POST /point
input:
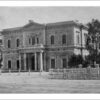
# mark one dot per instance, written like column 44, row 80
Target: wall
column 75, row 74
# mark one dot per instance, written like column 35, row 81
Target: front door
column 33, row 63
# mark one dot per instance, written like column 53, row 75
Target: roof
column 31, row 24
column 34, row 25
column 67, row 23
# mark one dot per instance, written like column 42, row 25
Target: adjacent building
column 39, row 47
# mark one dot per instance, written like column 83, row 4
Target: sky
column 19, row 16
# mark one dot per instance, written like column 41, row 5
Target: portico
column 33, row 61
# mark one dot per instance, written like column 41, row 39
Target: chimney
column 31, row 21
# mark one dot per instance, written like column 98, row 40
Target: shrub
column 75, row 60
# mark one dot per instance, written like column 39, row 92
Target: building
column 39, row 47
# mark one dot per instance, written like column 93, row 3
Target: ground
column 37, row 83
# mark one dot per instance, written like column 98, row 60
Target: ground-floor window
column 18, row 65
column 9, row 64
column 52, row 63
column 64, row 63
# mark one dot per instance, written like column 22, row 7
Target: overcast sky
column 19, row 16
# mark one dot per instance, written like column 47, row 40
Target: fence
column 75, row 73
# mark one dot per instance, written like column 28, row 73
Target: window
column 18, row 65
column 85, row 37
column 29, row 40
column 52, row 63
column 18, row 42
column 78, row 39
column 64, row 63
column 63, row 39
column 33, row 40
column 0, row 41
column 37, row 40
column 9, row 43
column 9, row 64
column 52, row 39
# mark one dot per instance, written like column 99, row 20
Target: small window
column 63, row 39
column 33, row 40
column 9, row 43
column 0, row 41
column 18, row 42
column 64, row 63
column 29, row 40
column 78, row 39
column 52, row 39
column 18, row 66
column 53, row 63
column 37, row 40
column 9, row 64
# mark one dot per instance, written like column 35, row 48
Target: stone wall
column 75, row 74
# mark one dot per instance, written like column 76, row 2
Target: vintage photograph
column 50, row 49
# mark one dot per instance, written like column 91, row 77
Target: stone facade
column 40, row 47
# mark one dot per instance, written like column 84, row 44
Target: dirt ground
column 36, row 83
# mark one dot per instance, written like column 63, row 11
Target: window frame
column 17, row 42
column 52, row 39
column 51, row 63
column 64, row 39
column 9, row 43
column 9, row 63
column 33, row 40
column 17, row 63
column 65, row 63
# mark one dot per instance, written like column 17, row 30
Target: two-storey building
column 38, row 47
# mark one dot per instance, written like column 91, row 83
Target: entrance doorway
column 33, row 63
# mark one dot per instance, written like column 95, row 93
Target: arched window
column 37, row 40
column 64, row 39
column 9, row 43
column 33, row 40
column 18, row 42
column 52, row 39
column 29, row 40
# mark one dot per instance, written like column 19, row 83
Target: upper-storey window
column 0, row 41
column 85, row 38
column 37, row 40
column 77, row 37
column 33, row 40
column 9, row 44
column 17, row 42
column 52, row 39
column 64, row 39
column 29, row 40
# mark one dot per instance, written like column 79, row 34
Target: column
column 35, row 61
column 24, row 61
column 41, row 61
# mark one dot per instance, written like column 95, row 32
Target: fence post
column 64, row 73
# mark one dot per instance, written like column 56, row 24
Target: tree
column 75, row 60
column 93, row 37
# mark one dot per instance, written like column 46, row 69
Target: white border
column 49, row 3
column 49, row 96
